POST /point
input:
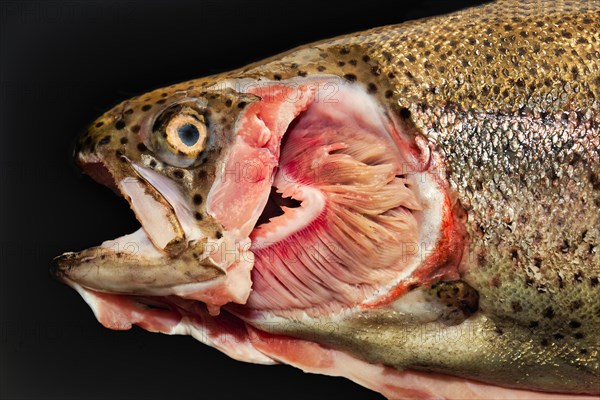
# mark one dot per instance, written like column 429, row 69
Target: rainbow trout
column 414, row 207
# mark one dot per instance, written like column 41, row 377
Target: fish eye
column 180, row 133
column 186, row 135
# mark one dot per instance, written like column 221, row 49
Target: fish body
column 414, row 207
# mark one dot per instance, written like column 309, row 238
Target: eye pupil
column 188, row 134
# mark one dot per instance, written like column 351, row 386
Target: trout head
column 309, row 183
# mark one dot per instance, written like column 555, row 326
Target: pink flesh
column 239, row 197
column 183, row 317
column 234, row 287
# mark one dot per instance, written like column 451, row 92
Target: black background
column 62, row 64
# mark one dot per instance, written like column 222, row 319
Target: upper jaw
column 164, row 254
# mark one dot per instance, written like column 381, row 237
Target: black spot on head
column 593, row 178
column 516, row 306
column 344, row 50
column 366, row 58
column 578, row 277
column 218, row 234
column 529, row 282
column 594, row 281
column 533, row 324
column 135, row 128
column 559, row 336
column 352, row 62
column 128, row 111
column 197, row 199
column 152, row 163
column 576, row 305
column 350, row 77
column 277, row 77
column 241, row 104
column 321, row 68
column 548, row 312
column 142, row 147
column 578, row 335
column 161, row 101
column 388, row 94
column 404, row 113
column 228, row 102
column 99, row 124
column 411, row 58
column 371, row 88
column 341, row 63
column 104, row 140
column 198, row 216
column 544, row 342
column 566, row 34
column 514, row 254
column 574, row 324
column 124, row 140
column 146, row 107
column 120, row 124
column 202, row 174
column 178, row 174
column 302, row 73
column 561, row 283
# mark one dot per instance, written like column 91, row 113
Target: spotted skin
column 124, row 134
column 507, row 93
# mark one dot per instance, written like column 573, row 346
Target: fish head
column 234, row 168
column 166, row 154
